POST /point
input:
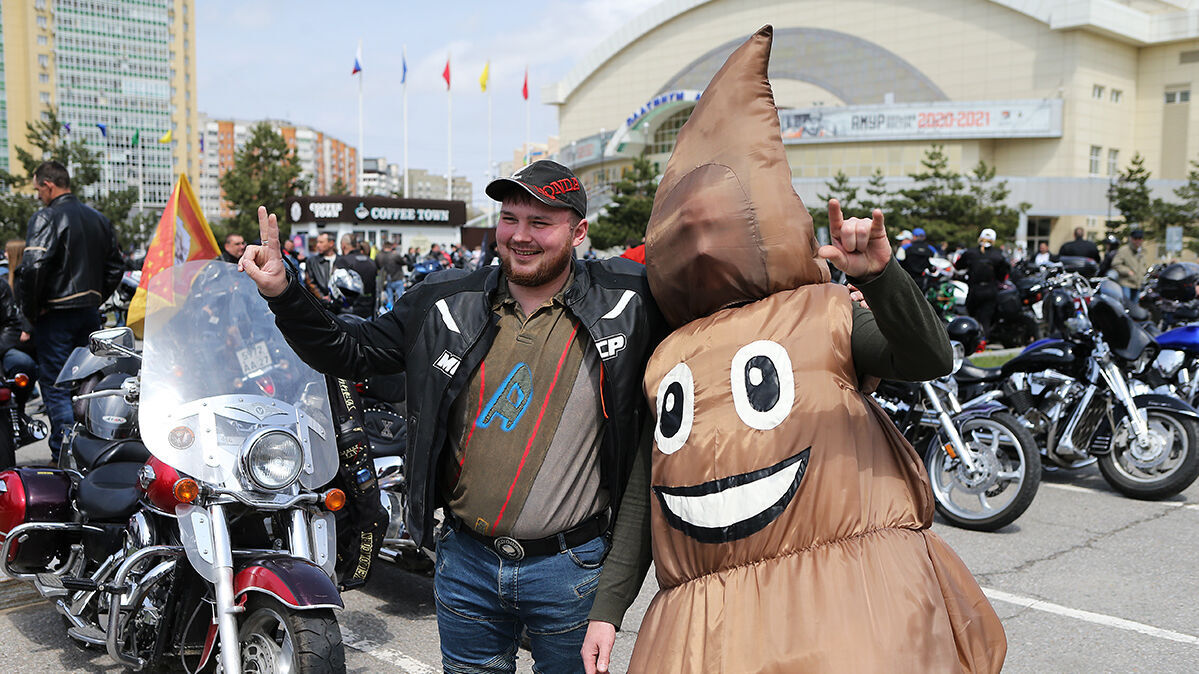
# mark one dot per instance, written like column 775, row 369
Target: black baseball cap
column 549, row 182
column 1136, row 234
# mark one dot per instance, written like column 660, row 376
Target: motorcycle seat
column 973, row 374
column 109, row 493
column 93, row 452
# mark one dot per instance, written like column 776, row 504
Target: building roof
column 1135, row 22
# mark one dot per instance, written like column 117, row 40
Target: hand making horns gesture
column 264, row 263
column 859, row 245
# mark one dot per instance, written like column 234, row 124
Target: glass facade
column 3, row 102
column 112, row 68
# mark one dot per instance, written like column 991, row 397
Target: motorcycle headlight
column 273, row 460
column 959, row 355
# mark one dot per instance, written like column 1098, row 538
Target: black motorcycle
column 1075, row 397
column 982, row 463
column 19, row 428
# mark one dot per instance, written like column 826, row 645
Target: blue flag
column 404, row 61
column 67, row 126
column 103, row 129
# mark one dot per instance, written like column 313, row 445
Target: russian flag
column 357, row 62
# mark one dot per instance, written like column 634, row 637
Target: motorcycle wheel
column 275, row 638
column 1170, row 466
column 1010, row 476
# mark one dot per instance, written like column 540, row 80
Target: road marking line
column 1072, row 487
column 1088, row 490
column 1087, row 616
column 407, row 664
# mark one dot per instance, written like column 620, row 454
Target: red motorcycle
column 202, row 534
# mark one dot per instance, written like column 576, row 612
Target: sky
column 293, row 60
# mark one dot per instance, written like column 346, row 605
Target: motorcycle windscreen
column 217, row 373
column 83, row 363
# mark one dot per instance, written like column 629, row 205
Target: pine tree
column 624, row 220
column 1130, row 195
column 265, row 173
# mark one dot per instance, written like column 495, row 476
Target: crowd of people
column 986, row 265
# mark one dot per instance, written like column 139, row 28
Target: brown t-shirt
column 525, row 432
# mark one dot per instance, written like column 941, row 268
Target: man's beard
column 548, row 270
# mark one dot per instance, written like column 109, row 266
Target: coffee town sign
column 376, row 210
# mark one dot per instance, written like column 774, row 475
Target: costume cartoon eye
column 676, row 409
column 763, row 384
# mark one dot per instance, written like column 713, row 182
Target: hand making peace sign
column 264, row 263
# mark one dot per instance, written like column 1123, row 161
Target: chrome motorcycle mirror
column 112, row 342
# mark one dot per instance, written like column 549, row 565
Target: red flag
column 182, row 235
column 446, row 74
column 524, row 91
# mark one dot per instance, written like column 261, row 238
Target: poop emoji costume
column 789, row 518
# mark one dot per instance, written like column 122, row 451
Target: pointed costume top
column 727, row 227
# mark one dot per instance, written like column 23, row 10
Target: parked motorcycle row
column 1110, row 385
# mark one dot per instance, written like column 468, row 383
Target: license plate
column 254, row 360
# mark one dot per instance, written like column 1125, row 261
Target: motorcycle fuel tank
column 1185, row 338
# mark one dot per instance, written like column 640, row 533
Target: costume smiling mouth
column 733, row 507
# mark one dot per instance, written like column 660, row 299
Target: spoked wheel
column 277, row 639
column 1008, row 475
column 1169, row 464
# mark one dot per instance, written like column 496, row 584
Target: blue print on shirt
column 511, row 401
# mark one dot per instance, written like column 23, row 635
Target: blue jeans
column 394, row 290
column 483, row 601
column 55, row 336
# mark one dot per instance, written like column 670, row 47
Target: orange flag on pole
column 182, row 235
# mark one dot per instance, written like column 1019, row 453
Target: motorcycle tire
column 1118, row 465
column 1018, row 453
column 314, row 637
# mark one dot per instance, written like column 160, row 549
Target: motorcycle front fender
column 1101, row 439
column 297, row 583
column 984, row 408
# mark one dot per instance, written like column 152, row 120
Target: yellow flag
column 166, row 138
column 182, row 236
column 484, row 77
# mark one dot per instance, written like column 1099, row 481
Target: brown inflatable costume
column 790, row 518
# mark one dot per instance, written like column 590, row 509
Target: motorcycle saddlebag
column 35, row 495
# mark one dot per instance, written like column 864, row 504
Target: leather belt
column 516, row 550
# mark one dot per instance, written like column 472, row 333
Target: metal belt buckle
column 509, row 548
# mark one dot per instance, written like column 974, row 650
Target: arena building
column 1057, row 95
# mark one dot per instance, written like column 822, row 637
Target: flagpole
column 140, row 178
column 490, row 202
column 528, row 150
column 449, row 95
column 361, row 159
column 407, row 194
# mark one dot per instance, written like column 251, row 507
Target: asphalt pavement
column 1085, row 581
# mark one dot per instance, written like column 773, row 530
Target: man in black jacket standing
column 1080, row 247
column 985, row 267
column 72, row 262
column 525, row 413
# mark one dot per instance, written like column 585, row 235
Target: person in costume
column 789, row 518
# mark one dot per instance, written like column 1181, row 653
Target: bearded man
column 524, row 415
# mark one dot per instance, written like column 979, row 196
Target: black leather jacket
column 441, row 330
column 11, row 325
column 71, row 260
